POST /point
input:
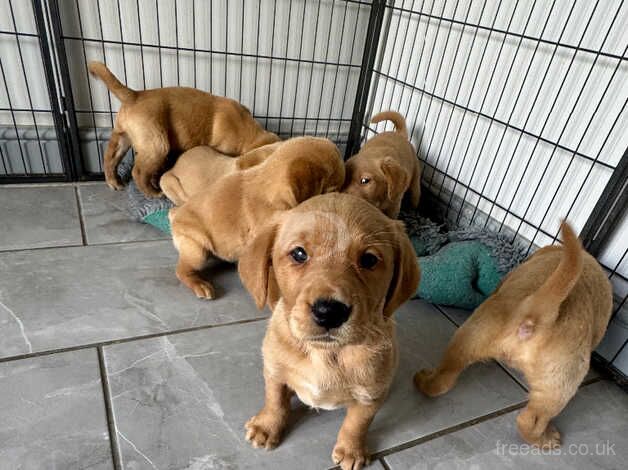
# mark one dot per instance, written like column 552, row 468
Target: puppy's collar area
column 324, row 338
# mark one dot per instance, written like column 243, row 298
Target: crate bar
column 67, row 98
column 57, row 114
column 374, row 28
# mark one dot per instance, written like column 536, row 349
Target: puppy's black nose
column 330, row 313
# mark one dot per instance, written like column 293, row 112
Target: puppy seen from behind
column 173, row 119
column 333, row 270
column 386, row 168
column 221, row 220
column 544, row 319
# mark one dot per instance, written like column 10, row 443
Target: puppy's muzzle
column 330, row 313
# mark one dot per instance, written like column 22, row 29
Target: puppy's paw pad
column 261, row 436
column 350, row 458
column 204, row 290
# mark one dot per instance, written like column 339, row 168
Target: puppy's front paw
column 425, row 381
column 550, row 439
column 263, row 432
column 203, row 290
column 114, row 183
column 350, row 457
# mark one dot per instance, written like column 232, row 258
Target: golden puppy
column 199, row 168
column 156, row 122
column 333, row 270
column 544, row 319
column 222, row 220
column 386, row 168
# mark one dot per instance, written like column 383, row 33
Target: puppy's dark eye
column 368, row 260
column 365, row 180
column 299, row 255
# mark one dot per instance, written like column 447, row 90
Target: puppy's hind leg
column 471, row 343
column 548, row 396
column 150, row 159
column 118, row 146
column 266, row 427
column 192, row 258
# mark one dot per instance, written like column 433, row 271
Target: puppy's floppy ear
column 306, row 179
column 255, row 157
column 256, row 270
column 396, row 178
column 406, row 273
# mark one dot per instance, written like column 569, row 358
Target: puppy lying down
column 156, row 122
column 221, row 220
column 199, row 168
column 333, row 270
column 386, row 168
column 544, row 319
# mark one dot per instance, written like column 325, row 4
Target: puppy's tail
column 396, row 118
column 543, row 305
column 123, row 93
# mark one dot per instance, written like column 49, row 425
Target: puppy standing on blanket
column 333, row 270
column 544, row 319
column 156, row 122
column 220, row 221
column 200, row 168
column 386, row 168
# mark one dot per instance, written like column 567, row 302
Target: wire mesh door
column 606, row 232
column 294, row 63
column 517, row 111
column 32, row 141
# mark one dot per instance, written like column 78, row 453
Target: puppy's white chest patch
column 312, row 394
column 362, row 395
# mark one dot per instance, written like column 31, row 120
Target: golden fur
column 386, row 168
column 351, row 365
column 199, row 168
column 175, row 119
column 544, row 319
column 220, row 221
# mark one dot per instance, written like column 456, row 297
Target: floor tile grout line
column 449, row 430
column 80, row 215
column 113, row 435
column 501, row 366
column 129, row 340
column 443, row 432
column 54, row 247
column 133, row 242
column 384, row 464
column 438, row 307
column 593, row 380
column 464, row 425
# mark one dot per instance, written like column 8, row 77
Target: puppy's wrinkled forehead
column 327, row 230
column 335, row 223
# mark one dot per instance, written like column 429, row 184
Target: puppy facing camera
column 333, row 270
column 544, row 320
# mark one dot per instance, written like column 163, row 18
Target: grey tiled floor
column 106, row 361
